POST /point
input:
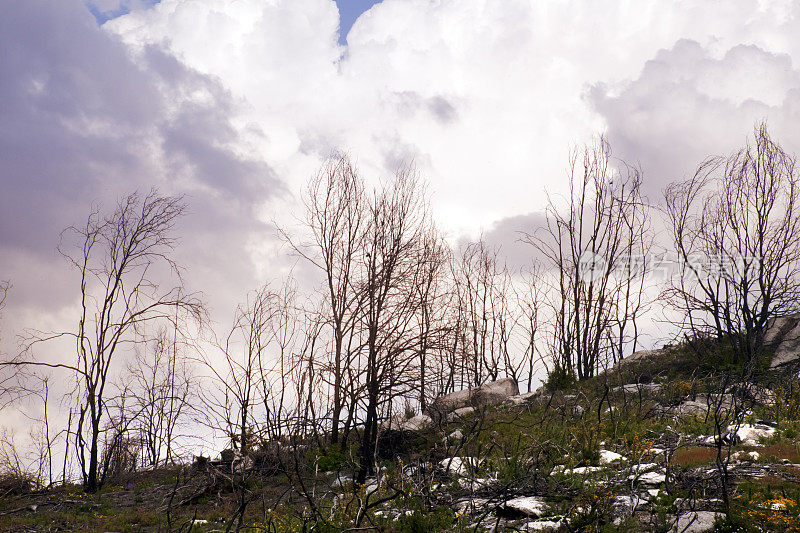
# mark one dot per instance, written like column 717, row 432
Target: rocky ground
column 659, row 443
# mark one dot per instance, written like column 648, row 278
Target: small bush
column 15, row 483
column 560, row 379
column 331, row 460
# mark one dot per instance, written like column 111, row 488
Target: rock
column 471, row 505
column 695, row 522
column 638, row 357
column 577, row 410
column 460, row 466
column 750, row 457
column 647, row 475
column 634, row 388
column 401, row 423
column 527, row 505
column 607, row 456
column 541, row 525
column 625, row 505
column 691, row 407
column 460, row 413
column 341, row 481
column 491, row 393
column 748, row 434
column 417, row 423
column 783, row 336
column 583, row 470
column 702, row 504
column 520, row 399
column 455, row 436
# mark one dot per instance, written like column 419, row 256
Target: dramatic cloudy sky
column 236, row 102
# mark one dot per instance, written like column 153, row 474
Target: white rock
column 582, row 470
column 645, row 474
column 460, row 466
column 653, row 478
column 473, row 504
column 750, row 434
column 751, row 457
column 529, row 505
column 643, row 467
column 695, row 522
column 455, row 436
column 607, row 456
column 460, row 413
column 417, row 423
column 520, row 399
column 784, row 334
column 540, row 525
column 487, row 394
column 476, row 483
column 625, row 505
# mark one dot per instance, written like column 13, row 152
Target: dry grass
column 694, row 456
column 774, row 453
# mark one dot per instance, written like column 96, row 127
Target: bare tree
column 4, row 288
column 390, row 259
column 162, row 390
column 528, row 297
column 119, row 258
column 244, row 350
column 8, row 382
column 736, row 229
column 588, row 247
column 487, row 317
column 433, row 297
column 335, row 211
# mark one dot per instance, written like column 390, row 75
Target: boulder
column 417, row 423
column 543, row 525
column 455, row 436
column 783, row 336
column 401, row 423
column 607, row 457
column 695, row 522
column 460, row 466
column 521, row 399
column 491, row 393
column 748, row 434
column 526, row 505
column 647, row 474
column 635, row 388
column 460, row 413
column 624, row 505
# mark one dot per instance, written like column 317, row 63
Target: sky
column 236, row 103
column 105, row 10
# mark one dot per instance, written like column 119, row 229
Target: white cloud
column 486, row 96
column 688, row 104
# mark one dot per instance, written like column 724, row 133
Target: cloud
column 688, row 104
column 82, row 123
column 236, row 104
column 486, row 97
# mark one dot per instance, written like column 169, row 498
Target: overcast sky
column 236, row 102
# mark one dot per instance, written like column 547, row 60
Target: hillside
column 646, row 446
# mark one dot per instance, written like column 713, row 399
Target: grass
column 524, row 447
column 694, row 456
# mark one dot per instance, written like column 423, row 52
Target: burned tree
column 336, row 211
column 589, row 247
column 391, row 268
column 120, row 258
column 735, row 226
